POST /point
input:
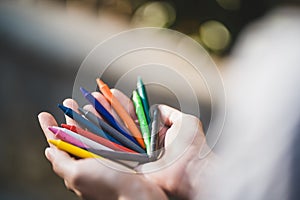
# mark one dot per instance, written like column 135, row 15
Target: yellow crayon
column 74, row 150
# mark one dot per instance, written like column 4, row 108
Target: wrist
column 139, row 188
column 199, row 173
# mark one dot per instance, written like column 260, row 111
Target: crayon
column 97, row 138
column 84, row 140
column 85, row 123
column 109, row 129
column 144, row 97
column 142, row 119
column 81, row 153
column 67, row 138
column 123, row 114
column 113, row 132
column 102, row 111
column 113, row 155
column 69, row 148
column 155, row 113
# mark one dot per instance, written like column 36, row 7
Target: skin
column 173, row 173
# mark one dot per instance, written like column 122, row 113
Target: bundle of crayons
column 123, row 143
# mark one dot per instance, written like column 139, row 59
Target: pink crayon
column 66, row 137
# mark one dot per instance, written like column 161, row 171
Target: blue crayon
column 86, row 124
column 106, row 115
column 111, row 131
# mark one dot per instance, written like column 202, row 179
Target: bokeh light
column 214, row 35
column 154, row 14
column 229, row 4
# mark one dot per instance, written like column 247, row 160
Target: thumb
column 169, row 115
column 184, row 132
column 182, row 127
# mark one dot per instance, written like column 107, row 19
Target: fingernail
column 39, row 116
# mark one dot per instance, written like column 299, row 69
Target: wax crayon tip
column 139, row 82
column 62, row 107
column 66, row 110
column 70, row 127
column 100, row 82
column 65, row 126
column 84, row 91
column 53, row 129
column 54, row 142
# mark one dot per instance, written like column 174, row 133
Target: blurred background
column 43, row 43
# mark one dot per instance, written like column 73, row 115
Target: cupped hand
column 92, row 179
column 175, row 172
column 183, row 139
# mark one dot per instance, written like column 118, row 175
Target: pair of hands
column 174, row 173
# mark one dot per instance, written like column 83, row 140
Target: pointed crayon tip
column 66, row 110
column 139, row 79
column 70, row 127
column 100, row 82
column 61, row 107
column 139, row 83
column 84, row 91
column 53, row 129
column 64, row 125
column 54, row 142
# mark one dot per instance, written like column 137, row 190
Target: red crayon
column 97, row 138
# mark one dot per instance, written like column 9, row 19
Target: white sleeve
column 263, row 112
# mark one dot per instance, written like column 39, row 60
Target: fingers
column 63, row 165
column 73, row 105
column 106, row 105
column 61, row 162
column 47, row 120
column 169, row 115
column 123, row 99
column 126, row 102
column 84, row 174
column 91, row 108
column 102, row 100
column 171, row 119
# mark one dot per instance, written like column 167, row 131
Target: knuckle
column 75, row 177
column 172, row 186
column 55, row 167
column 195, row 120
column 68, row 185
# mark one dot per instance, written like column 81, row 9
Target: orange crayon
column 123, row 114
